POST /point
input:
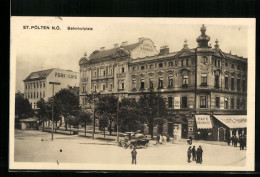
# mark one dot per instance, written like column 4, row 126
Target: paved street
column 76, row 149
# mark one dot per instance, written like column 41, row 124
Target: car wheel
column 131, row 146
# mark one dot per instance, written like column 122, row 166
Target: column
column 237, row 132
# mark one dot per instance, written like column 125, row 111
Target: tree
column 42, row 112
column 54, row 108
column 85, row 117
column 23, row 109
column 150, row 109
column 67, row 103
column 106, row 107
column 129, row 116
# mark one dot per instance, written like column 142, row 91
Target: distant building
column 200, row 84
column 38, row 84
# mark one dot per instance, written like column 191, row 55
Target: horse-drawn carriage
column 134, row 140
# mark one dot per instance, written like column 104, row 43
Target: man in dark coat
column 190, row 140
column 193, row 153
column 134, row 156
column 201, row 151
column 198, row 155
column 189, row 154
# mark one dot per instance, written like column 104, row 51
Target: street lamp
column 52, row 115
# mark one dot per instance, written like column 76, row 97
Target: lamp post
column 52, row 115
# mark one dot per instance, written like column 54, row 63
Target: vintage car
column 134, row 140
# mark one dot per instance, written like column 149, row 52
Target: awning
column 203, row 122
column 233, row 121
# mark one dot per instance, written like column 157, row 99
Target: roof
column 233, row 56
column 110, row 52
column 233, row 121
column 39, row 75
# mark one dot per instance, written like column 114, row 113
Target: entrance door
column 170, row 129
column 184, row 131
column 221, row 134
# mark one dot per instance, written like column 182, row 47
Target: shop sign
column 177, row 102
column 221, row 104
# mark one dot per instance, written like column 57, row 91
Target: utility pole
column 52, row 115
column 94, row 124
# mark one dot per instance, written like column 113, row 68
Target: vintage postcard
column 167, row 94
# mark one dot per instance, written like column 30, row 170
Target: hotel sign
column 177, row 102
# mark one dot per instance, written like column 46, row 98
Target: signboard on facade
column 221, row 104
column 177, row 102
column 203, row 121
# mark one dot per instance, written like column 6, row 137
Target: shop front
column 230, row 125
column 204, row 127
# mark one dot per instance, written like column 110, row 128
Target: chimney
column 102, row 48
column 164, row 50
column 140, row 39
column 116, row 45
column 124, row 43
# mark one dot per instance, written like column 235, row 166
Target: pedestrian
column 232, row 139
column 190, row 140
column 241, row 142
column 201, row 152
column 198, row 155
column 235, row 141
column 193, row 153
column 228, row 141
column 189, row 154
column 134, row 153
column 157, row 138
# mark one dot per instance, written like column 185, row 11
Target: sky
column 39, row 49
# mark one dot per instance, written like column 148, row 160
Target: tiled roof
column 233, row 56
column 110, row 52
column 39, row 75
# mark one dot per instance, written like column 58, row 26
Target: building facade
column 197, row 83
column 39, row 84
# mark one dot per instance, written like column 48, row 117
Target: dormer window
column 142, row 67
column 160, row 65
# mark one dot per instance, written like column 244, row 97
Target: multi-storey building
column 39, row 84
column 200, row 84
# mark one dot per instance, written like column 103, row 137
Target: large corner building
column 205, row 87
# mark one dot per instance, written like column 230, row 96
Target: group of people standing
column 195, row 154
column 234, row 140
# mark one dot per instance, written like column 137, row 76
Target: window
column 238, row 85
column 232, row 84
column 151, row 66
column 28, row 95
column 84, row 101
column 170, row 63
column 122, row 85
column 37, row 95
column 182, row 62
column 232, row 66
column 204, row 59
column 226, row 64
column 232, row 103
column 238, row 67
column 40, row 84
column 244, row 86
column 26, row 87
column 244, row 103
column 83, row 88
column 151, row 83
column 111, row 86
column 142, row 83
column 217, row 102
column 142, row 67
column 176, row 63
column 203, row 102
column 34, row 105
column 244, row 67
column 218, row 63
column 33, row 94
column 170, row 102
column 215, row 64
column 187, row 62
column 111, row 71
column 185, row 80
column 122, row 70
column 95, row 74
column 134, row 84
column 160, row 83
column 238, row 103
column 216, row 81
column 160, row 65
column 226, row 103
column 226, row 82
column 37, row 85
column 104, row 73
column 134, row 68
column 40, row 94
column 104, row 87
column 204, row 79
column 184, row 102
column 170, row 81
column 43, row 84
column 95, row 87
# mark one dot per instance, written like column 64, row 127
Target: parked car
column 134, row 140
